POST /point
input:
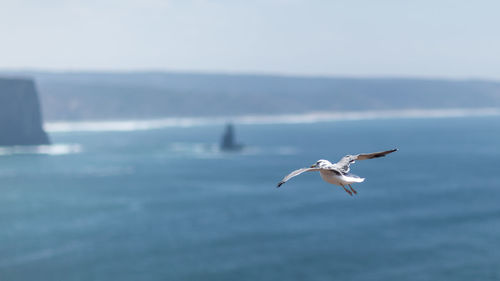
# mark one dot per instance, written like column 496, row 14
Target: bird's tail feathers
column 353, row 178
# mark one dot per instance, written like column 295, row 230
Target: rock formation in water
column 20, row 117
column 228, row 142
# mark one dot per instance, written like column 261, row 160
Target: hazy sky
column 457, row 39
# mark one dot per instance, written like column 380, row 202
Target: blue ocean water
column 167, row 205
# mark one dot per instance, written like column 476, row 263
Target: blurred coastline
column 316, row 117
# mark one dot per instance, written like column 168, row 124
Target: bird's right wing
column 296, row 173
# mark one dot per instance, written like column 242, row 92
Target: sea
column 120, row 202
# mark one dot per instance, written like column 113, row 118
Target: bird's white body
column 330, row 174
column 333, row 178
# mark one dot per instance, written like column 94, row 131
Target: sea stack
column 20, row 117
column 228, row 142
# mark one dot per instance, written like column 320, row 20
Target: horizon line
column 36, row 70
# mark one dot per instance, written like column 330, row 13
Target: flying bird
column 338, row 173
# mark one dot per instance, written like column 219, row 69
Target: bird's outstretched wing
column 343, row 164
column 296, row 173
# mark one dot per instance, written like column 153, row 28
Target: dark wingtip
column 391, row 151
column 280, row 184
column 385, row 153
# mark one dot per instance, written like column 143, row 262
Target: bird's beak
column 313, row 166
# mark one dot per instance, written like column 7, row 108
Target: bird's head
column 321, row 163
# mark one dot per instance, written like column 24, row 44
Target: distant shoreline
column 313, row 117
column 85, row 96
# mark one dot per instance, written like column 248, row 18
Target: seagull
column 338, row 173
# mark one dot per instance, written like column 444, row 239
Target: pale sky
column 452, row 39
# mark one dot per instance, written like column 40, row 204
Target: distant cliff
column 20, row 117
column 146, row 95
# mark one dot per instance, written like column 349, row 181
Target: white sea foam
column 54, row 149
column 42, row 254
column 212, row 150
column 313, row 117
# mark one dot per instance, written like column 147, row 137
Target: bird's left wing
column 296, row 173
column 343, row 164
